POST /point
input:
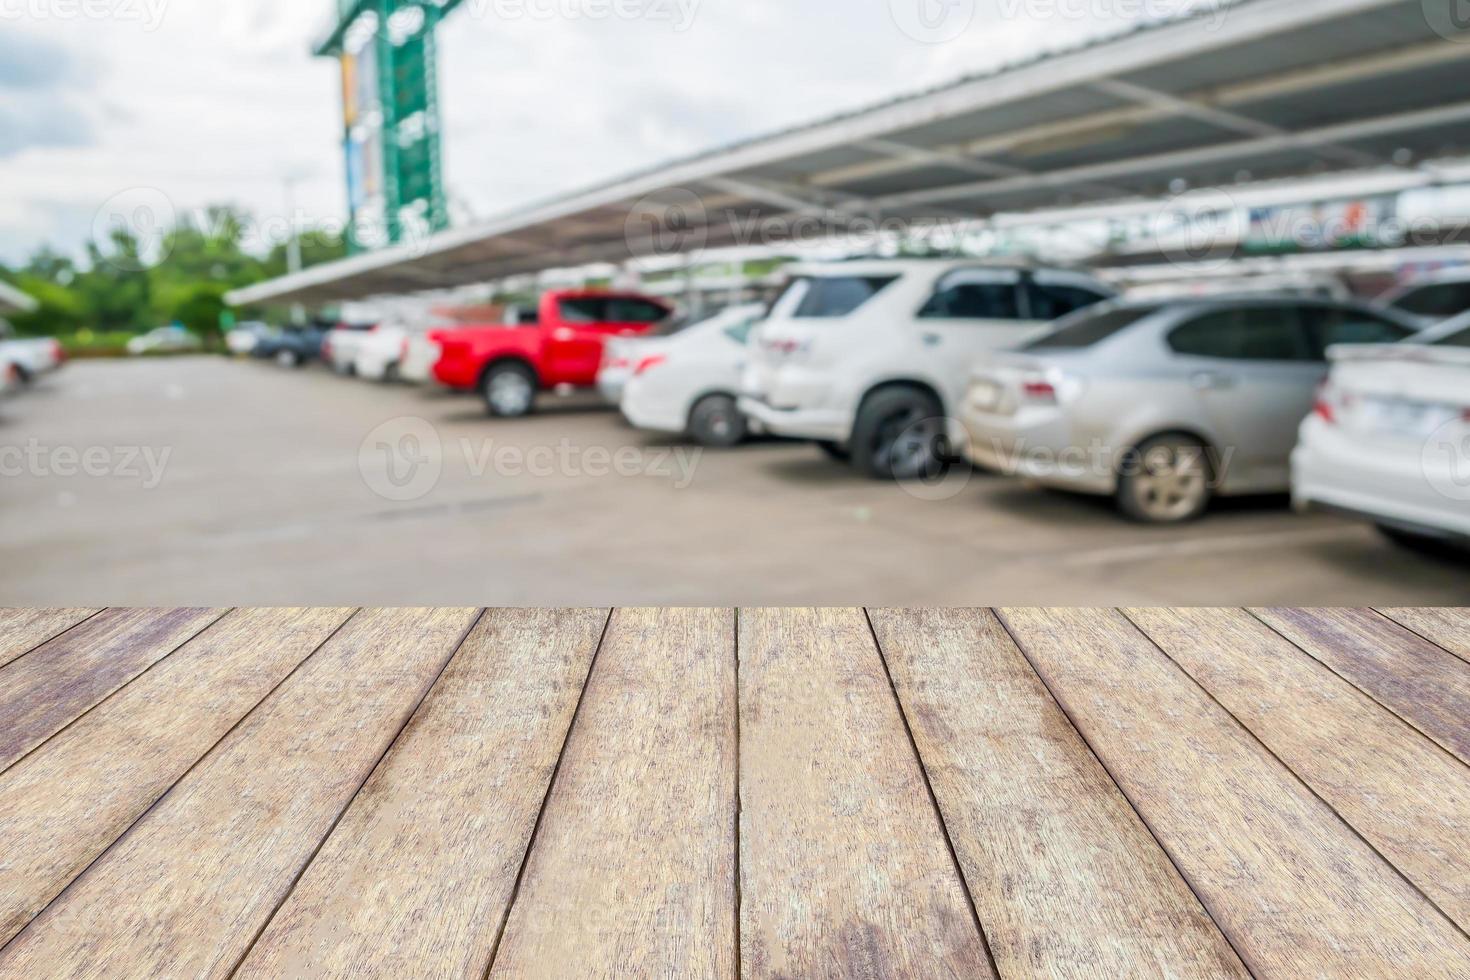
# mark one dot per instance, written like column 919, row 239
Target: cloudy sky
column 220, row 101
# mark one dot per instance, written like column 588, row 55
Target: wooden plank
column 22, row 630
column 1296, row 891
column 1449, row 628
column 441, row 828
column 845, row 871
column 632, row 872
column 188, row 888
column 50, row 687
column 1407, row 796
column 65, row 803
column 1422, row 683
column 1067, row 879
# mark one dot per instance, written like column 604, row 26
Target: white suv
column 870, row 358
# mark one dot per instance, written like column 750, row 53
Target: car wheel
column 509, row 390
column 835, row 450
column 1167, row 481
column 717, row 422
column 1422, row 544
column 900, row 434
column 288, row 359
column 21, row 374
column 390, row 374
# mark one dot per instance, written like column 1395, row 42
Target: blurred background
column 696, row 301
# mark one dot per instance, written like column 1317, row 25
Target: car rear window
column 1445, row 299
column 829, row 297
column 1091, row 327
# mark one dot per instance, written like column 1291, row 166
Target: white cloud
column 223, row 100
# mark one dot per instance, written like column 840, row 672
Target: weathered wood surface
column 52, row 685
column 1067, row 879
column 186, row 891
column 1449, row 628
column 63, row 804
column 1297, row 892
column 632, row 871
column 844, row 866
column 22, row 630
column 1418, row 680
column 417, row 879
column 1408, row 797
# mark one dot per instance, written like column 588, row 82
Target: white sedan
column 689, row 383
column 342, row 345
column 165, row 340
column 399, row 351
column 1390, row 438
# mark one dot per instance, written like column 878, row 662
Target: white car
column 241, row 340
column 1390, row 438
column 622, row 355
column 30, row 357
column 165, row 340
column 398, row 351
column 871, row 358
column 1433, row 299
column 689, row 383
column 342, row 345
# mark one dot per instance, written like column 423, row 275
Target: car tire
column 390, row 375
column 835, row 450
column 509, row 390
column 716, row 422
column 1421, row 544
column 22, row 375
column 900, row 434
column 1167, row 481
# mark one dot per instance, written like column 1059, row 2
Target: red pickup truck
column 561, row 344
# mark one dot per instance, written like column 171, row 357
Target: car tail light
column 1039, row 390
column 1327, row 403
column 649, row 363
column 618, row 363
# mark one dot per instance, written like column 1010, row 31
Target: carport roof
column 1258, row 89
column 12, row 300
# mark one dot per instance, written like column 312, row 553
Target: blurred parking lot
column 200, row 480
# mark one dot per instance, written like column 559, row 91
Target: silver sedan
column 1164, row 405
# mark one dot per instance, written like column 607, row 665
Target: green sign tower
column 390, row 111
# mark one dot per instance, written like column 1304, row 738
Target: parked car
column 30, row 357
column 342, row 344
column 870, row 358
column 621, row 355
column 1164, row 405
column 293, row 346
column 165, row 340
column 1389, row 440
column 398, row 350
column 689, row 383
column 509, row 364
column 241, row 340
column 1433, row 299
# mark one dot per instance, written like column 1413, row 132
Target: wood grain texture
column 1067, row 879
column 63, row 804
column 1297, row 892
column 632, row 872
column 417, row 878
column 21, row 630
column 1407, row 796
column 188, row 888
column 49, row 687
column 1422, row 683
column 845, row 871
column 1449, row 628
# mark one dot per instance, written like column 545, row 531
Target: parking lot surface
column 201, row 481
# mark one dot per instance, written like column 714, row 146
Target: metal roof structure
column 12, row 300
column 1260, row 89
